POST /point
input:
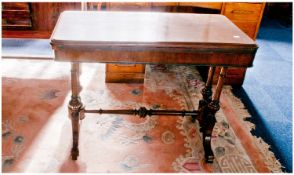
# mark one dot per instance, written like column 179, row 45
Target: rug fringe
column 270, row 160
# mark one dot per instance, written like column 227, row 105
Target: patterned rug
column 36, row 132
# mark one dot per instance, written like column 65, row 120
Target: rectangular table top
column 148, row 33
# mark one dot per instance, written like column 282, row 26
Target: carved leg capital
column 206, row 98
column 206, row 93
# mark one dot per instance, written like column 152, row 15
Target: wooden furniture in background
column 16, row 16
column 247, row 16
column 133, row 40
column 43, row 16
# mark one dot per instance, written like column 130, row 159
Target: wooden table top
column 140, row 27
column 147, row 31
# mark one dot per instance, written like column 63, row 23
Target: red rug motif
column 36, row 131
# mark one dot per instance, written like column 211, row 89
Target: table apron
column 157, row 57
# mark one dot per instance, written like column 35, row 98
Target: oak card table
column 151, row 38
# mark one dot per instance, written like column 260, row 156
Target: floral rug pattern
column 117, row 143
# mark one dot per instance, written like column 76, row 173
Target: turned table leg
column 210, row 120
column 206, row 98
column 74, row 108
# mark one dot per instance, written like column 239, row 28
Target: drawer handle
column 242, row 11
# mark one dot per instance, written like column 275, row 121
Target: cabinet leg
column 74, row 108
column 209, row 122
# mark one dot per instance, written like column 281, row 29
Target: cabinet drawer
column 248, row 27
column 16, row 23
column 16, row 16
column 124, row 78
column 15, row 6
column 243, row 11
column 111, row 77
column 125, row 68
